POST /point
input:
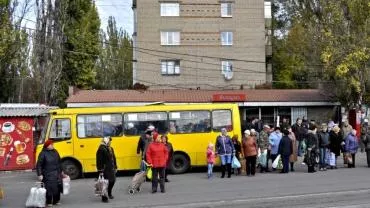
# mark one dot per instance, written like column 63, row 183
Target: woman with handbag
column 351, row 147
column 49, row 171
column 106, row 165
column 157, row 157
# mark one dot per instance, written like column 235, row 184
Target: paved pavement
column 333, row 188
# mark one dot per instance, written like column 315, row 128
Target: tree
column 115, row 61
column 328, row 40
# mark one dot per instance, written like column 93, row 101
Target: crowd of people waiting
column 315, row 144
column 319, row 145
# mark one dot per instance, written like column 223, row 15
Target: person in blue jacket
column 274, row 139
column 225, row 149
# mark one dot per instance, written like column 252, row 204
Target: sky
column 119, row 9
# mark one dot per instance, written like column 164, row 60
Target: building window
column 227, row 38
column 227, row 67
column 170, row 38
column 226, row 10
column 170, row 67
column 170, row 9
column 268, row 10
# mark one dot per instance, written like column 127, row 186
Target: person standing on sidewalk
column 250, row 153
column 264, row 145
column 157, row 157
column 225, row 149
column 365, row 134
column 312, row 148
column 294, row 156
column 351, row 147
column 211, row 158
column 323, row 137
column 170, row 155
column 49, row 171
column 285, row 149
column 106, row 164
column 300, row 132
column 274, row 139
column 335, row 143
column 238, row 149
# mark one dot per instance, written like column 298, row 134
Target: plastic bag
column 101, row 186
column 235, row 163
column 332, row 159
column 276, row 162
column 37, row 196
column 149, row 174
column 262, row 159
column 66, row 185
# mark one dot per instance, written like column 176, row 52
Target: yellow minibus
column 77, row 133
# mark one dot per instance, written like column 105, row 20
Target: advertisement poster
column 16, row 144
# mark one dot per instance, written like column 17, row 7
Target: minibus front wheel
column 180, row 163
column 72, row 168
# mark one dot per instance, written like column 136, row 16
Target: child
column 211, row 156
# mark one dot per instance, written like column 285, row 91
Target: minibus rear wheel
column 180, row 163
column 71, row 168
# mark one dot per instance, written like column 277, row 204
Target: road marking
column 264, row 199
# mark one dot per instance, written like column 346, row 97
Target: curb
column 16, row 171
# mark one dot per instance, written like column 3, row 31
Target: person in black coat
column 335, row 143
column 312, row 148
column 106, row 165
column 170, row 155
column 285, row 149
column 49, row 171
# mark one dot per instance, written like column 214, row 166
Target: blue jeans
column 142, row 166
column 322, row 157
column 210, row 169
column 225, row 159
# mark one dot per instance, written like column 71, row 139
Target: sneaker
column 325, row 169
column 321, row 169
column 58, row 203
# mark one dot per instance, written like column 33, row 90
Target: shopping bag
column 332, row 159
column 66, row 185
column 259, row 152
column 101, row 186
column 327, row 157
column 149, row 174
column 243, row 164
column 235, row 163
column 1, row 193
column 262, row 159
column 349, row 158
column 37, row 196
column 276, row 162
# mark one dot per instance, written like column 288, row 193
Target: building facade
column 203, row 44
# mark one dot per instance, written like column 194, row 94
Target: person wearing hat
column 143, row 143
column 225, row 149
column 49, row 171
column 157, row 158
column 250, row 150
column 365, row 134
column 264, row 145
column 106, row 165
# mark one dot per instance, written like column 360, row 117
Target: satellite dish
column 228, row 75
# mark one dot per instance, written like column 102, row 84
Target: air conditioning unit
column 228, row 75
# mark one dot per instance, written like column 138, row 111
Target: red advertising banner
column 16, row 143
column 229, row 97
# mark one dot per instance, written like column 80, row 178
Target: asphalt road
column 333, row 188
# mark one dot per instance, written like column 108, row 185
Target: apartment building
column 206, row 44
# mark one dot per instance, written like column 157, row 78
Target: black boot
column 228, row 170
column 223, row 171
column 292, row 167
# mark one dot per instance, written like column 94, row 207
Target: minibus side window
column 99, row 125
column 60, row 129
column 222, row 119
column 137, row 123
column 186, row 122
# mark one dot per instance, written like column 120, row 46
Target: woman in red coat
column 157, row 157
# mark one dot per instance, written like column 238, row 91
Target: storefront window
column 267, row 115
column 285, row 114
